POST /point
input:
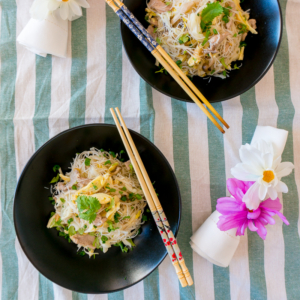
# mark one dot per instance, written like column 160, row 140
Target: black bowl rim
column 48, row 142
column 222, row 99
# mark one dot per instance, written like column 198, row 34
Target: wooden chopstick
column 156, row 200
column 151, row 48
column 159, row 211
column 150, row 202
column 169, row 60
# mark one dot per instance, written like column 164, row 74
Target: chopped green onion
column 107, row 162
column 56, row 168
column 70, row 220
column 74, row 187
column 215, row 31
column 55, row 179
column 87, row 161
column 62, row 200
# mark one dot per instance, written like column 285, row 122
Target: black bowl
column 52, row 255
column 260, row 53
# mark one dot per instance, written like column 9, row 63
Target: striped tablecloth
column 41, row 97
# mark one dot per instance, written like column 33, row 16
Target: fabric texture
column 41, row 97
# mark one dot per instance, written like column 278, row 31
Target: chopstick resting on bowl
column 158, row 214
column 165, row 60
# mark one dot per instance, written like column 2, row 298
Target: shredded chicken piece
column 252, row 23
column 127, row 163
column 150, row 29
column 216, row 40
column 74, row 179
column 83, row 240
column 159, row 6
column 99, row 220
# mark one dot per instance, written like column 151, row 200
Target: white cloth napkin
column 272, row 135
column 49, row 36
column 215, row 245
column 209, row 241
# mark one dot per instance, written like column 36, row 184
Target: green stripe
column 291, row 199
column 7, row 151
column 45, row 288
column 78, row 72
column 41, row 134
column 42, row 100
column 113, row 64
column 217, row 190
column 78, row 85
column 258, row 288
column 113, row 95
column 147, row 113
column 147, row 116
column 79, row 296
column 182, row 171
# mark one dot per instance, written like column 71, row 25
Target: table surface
column 41, row 97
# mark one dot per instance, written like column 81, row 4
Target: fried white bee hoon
column 202, row 36
column 99, row 203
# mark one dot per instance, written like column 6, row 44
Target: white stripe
column 96, row 62
column 61, row 293
column 292, row 27
column 163, row 139
column 200, row 189
column 60, row 91
column 135, row 292
column 0, row 184
column 59, row 117
column 130, row 109
column 130, row 94
column 24, row 141
column 98, row 297
column 274, row 243
column 239, row 265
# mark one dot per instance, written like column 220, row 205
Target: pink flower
column 235, row 214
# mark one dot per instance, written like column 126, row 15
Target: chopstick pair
column 159, row 216
column 165, row 60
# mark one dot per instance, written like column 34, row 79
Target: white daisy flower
column 260, row 165
column 67, row 9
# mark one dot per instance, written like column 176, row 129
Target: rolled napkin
column 48, row 36
column 272, row 135
column 246, row 210
column 215, row 245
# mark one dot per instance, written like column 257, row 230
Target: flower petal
column 268, row 160
column 272, row 193
column 282, row 187
column 252, row 156
column 254, row 215
column 271, row 204
column 83, row 3
column 53, row 5
column 245, row 172
column 64, row 11
column 251, row 225
column 268, row 218
column 251, row 197
column 233, row 184
column 261, row 230
column 75, row 8
column 262, row 192
column 284, row 169
column 283, row 218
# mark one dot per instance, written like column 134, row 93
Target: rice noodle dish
column 98, row 203
column 203, row 37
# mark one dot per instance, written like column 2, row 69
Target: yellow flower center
column 268, row 176
column 65, row 0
